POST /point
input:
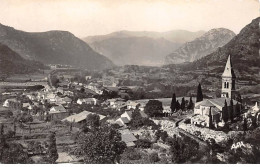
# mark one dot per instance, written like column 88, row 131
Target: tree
column 183, row 104
column 93, row 121
column 143, row 143
column 190, row 105
column 137, row 120
column 210, row 120
column 153, row 108
column 13, row 153
column 199, row 94
column 245, row 125
column 182, row 149
column 231, row 111
column 237, row 110
column 178, row 106
column 52, row 154
column 173, row 103
column 102, row 146
column 153, row 157
column 225, row 113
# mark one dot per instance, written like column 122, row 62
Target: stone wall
column 205, row 133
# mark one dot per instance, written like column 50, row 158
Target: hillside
column 135, row 50
column 200, row 47
column 53, row 47
column 176, row 36
column 244, row 51
column 13, row 63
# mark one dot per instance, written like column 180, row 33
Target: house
column 113, row 103
column 64, row 84
column 78, row 87
column 81, row 117
column 253, row 111
column 127, row 114
column 128, row 137
column 60, row 90
column 167, row 109
column 58, row 113
column 87, row 77
column 31, row 96
column 68, row 93
column 92, row 101
column 67, row 100
column 27, row 105
column 50, row 97
column 12, row 103
column 122, row 121
column 131, row 104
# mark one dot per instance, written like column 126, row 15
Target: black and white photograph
column 129, row 82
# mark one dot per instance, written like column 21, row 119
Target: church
column 210, row 111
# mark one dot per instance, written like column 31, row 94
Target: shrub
column 10, row 134
column 132, row 154
column 143, row 143
column 153, row 157
column 187, row 121
column 156, row 147
column 163, row 150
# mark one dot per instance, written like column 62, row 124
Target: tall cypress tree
column 178, row 106
column 237, row 109
column 182, row 104
column 173, row 103
column 199, row 94
column 225, row 113
column 210, row 119
column 231, row 111
column 52, row 149
column 190, row 106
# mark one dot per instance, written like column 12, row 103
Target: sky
column 96, row 17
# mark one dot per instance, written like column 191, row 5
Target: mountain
column 135, row 50
column 243, row 49
column 13, row 63
column 176, row 36
column 53, row 47
column 200, row 47
column 139, row 47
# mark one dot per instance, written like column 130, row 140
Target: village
column 68, row 100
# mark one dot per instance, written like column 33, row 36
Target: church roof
column 218, row 103
column 229, row 72
column 207, row 103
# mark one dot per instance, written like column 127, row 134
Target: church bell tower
column 228, row 80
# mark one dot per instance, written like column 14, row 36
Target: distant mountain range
column 140, row 47
column 53, row 47
column 13, row 63
column 201, row 46
column 176, row 36
column 244, row 50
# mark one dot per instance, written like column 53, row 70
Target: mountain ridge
column 177, row 36
column 243, row 49
column 201, row 46
column 53, row 47
column 10, row 59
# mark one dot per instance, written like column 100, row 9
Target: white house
column 92, row 101
column 131, row 104
column 57, row 109
column 77, row 118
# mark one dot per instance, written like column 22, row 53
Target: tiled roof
column 128, row 137
column 206, row 103
column 81, row 116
